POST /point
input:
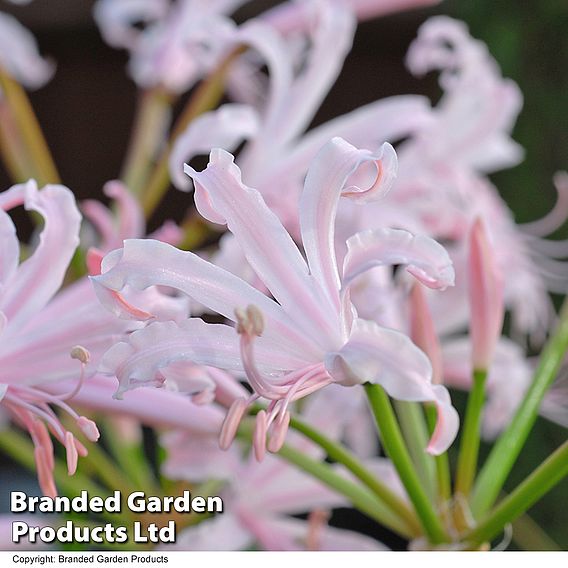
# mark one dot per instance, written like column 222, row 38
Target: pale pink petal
column 103, row 221
column 289, row 17
column 225, row 127
column 187, row 377
column 158, row 408
column 19, row 54
column 169, row 232
column 387, row 357
column 198, row 458
column 41, row 350
column 116, row 19
column 222, row 532
column 423, row 257
column 130, row 215
column 40, row 276
column 368, row 126
column 332, row 538
column 144, row 263
column 274, row 53
column 423, row 331
column 286, row 533
column 276, row 260
column 9, row 249
column 330, row 34
column 556, row 217
column 160, row 344
column 479, row 107
column 328, row 178
column 281, row 488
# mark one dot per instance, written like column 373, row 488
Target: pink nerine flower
column 308, row 336
column 32, row 351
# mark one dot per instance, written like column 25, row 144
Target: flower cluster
column 319, row 274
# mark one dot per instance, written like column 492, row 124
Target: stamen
column 44, row 472
column 81, row 354
column 231, row 423
column 259, row 436
column 71, row 453
column 249, row 321
column 89, row 428
column 278, row 433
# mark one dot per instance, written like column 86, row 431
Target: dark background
column 87, row 110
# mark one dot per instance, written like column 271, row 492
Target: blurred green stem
column 509, row 445
column 340, row 454
column 529, row 535
column 29, row 130
column 395, row 448
column 150, row 127
column 469, row 444
column 360, row 497
column 537, row 484
column 443, row 474
column 415, row 431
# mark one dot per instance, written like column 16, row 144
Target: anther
column 231, row 423
column 249, row 321
column 259, row 436
column 89, row 428
column 71, row 453
column 80, row 353
column 278, row 433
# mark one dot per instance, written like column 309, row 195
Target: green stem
column 539, row 482
column 340, row 454
column 529, row 535
column 131, row 459
column 505, row 452
column 152, row 116
column 362, row 499
column 12, row 147
column 206, row 97
column 443, row 475
column 28, row 126
column 469, row 446
column 415, row 431
column 393, row 443
column 21, row 450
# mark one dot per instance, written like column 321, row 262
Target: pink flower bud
column 485, row 296
column 423, row 333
